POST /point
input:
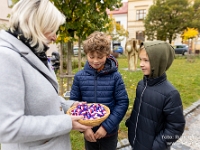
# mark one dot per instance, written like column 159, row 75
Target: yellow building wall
column 133, row 24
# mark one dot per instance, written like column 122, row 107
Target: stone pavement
column 190, row 140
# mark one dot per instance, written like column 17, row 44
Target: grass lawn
column 184, row 75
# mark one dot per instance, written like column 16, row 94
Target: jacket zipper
column 139, row 112
column 95, row 88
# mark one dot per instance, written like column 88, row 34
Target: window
column 10, row 3
column 179, row 46
column 118, row 22
column 140, row 35
column 140, row 14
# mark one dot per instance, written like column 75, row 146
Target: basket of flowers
column 94, row 113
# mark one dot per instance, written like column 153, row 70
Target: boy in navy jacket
column 100, row 82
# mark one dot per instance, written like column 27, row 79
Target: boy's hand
column 89, row 135
column 100, row 133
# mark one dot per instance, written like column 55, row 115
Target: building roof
column 121, row 10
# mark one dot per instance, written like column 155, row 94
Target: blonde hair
column 97, row 42
column 34, row 19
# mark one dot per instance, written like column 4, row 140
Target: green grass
column 183, row 74
column 185, row 77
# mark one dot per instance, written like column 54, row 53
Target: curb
column 124, row 143
column 190, row 109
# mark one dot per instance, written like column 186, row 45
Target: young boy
column 100, row 82
column 157, row 117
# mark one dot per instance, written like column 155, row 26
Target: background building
column 5, row 10
column 120, row 16
column 137, row 11
column 130, row 15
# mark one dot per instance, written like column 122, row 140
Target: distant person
column 55, row 60
column 32, row 115
column 100, row 82
column 157, row 119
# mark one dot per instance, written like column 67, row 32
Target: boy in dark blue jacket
column 100, row 82
column 157, row 118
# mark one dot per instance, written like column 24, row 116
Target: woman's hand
column 78, row 103
column 77, row 126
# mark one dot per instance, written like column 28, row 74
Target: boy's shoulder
column 170, row 85
column 141, row 82
column 116, row 74
column 80, row 72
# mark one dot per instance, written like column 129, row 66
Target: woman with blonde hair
column 32, row 113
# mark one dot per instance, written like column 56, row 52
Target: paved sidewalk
column 190, row 140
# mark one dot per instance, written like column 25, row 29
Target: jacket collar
column 20, row 47
column 111, row 65
column 154, row 81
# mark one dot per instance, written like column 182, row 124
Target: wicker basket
column 93, row 122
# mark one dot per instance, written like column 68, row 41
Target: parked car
column 75, row 50
column 118, row 49
column 181, row 49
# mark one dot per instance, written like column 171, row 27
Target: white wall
column 122, row 18
column 4, row 11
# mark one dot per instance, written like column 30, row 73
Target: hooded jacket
column 105, row 87
column 157, row 119
column 161, row 56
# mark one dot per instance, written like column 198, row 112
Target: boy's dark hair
column 97, row 42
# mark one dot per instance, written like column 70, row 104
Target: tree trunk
column 79, row 53
column 170, row 39
column 69, row 65
column 61, row 69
